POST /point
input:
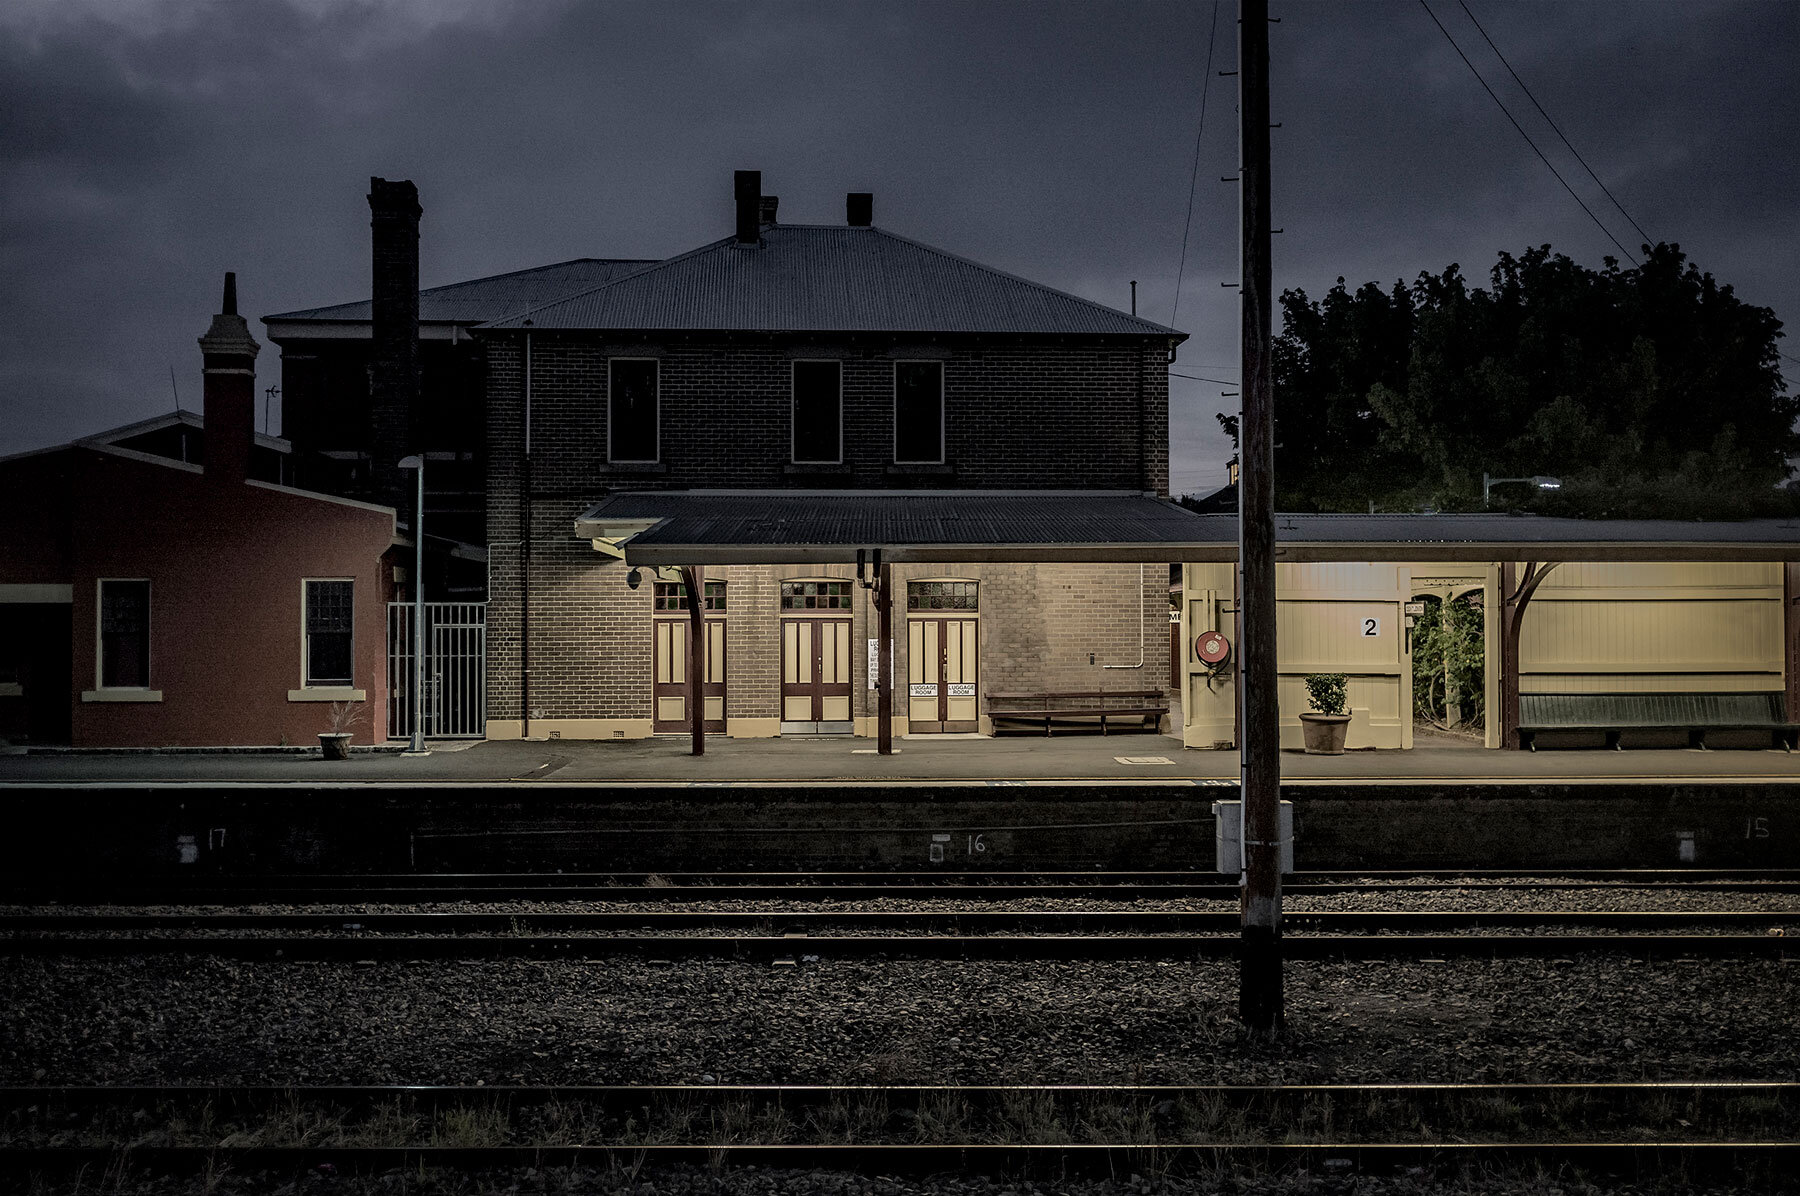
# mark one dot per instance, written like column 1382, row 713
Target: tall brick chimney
column 746, row 190
column 228, row 354
column 394, row 356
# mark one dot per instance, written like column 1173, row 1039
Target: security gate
column 455, row 695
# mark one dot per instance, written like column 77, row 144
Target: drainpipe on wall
column 525, row 560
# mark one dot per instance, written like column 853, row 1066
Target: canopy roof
column 726, row 527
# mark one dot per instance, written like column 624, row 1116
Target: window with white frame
column 633, row 433
column 330, row 619
column 919, row 412
column 124, row 633
column 818, row 412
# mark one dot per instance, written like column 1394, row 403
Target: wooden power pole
column 1259, row 967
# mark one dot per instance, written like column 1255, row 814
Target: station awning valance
column 734, row 527
column 726, row 527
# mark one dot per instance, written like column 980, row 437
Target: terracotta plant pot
column 1324, row 733
column 335, row 745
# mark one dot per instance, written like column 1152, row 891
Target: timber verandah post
column 1515, row 596
column 884, row 657
column 693, row 577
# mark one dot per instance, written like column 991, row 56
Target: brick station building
column 776, row 403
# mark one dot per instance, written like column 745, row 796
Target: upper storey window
column 633, row 432
column 919, row 412
column 818, row 412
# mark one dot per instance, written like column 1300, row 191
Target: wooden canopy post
column 1790, row 633
column 1515, row 596
column 693, row 577
column 884, row 658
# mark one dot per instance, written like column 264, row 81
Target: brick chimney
column 228, row 354
column 394, row 356
column 859, row 209
column 746, row 187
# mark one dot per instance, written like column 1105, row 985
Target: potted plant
column 335, row 743
column 1326, row 724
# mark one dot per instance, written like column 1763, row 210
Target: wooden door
column 670, row 673
column 815, row 677
column 943, row 675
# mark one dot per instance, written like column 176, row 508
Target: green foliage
column 1651, row 392
column 1449, row 655
column 1327, row 692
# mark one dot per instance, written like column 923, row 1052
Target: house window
column 124, row 634
column 815, row 595
column 330, row 615
column 919, row 412
column 672, row 595
column 818, row 412
column 632, row 429
column 940, row 595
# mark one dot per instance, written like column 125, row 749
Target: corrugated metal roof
column 704, row 527
column 829, row 278
column 483, row 299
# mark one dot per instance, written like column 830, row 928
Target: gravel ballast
column 152, row 1020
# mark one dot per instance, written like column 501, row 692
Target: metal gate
column 455, row 696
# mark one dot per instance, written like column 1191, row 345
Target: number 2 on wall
column 1371, row 626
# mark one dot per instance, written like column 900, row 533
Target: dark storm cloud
column 143, row 154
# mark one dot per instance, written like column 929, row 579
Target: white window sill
column 121, row 695
column 332, row 693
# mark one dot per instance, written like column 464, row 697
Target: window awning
column 744, row 527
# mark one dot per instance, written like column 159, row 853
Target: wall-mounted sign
column 924, row 689
column 962, row 689
column 874, row 667
column 1415, row 608
column 1371, row 626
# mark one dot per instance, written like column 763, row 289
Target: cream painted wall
column 1322, row 614
column 1649, row 628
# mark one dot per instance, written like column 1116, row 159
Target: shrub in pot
column 335, row 743
column 1328, row 722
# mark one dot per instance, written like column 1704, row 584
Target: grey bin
column 1228, row 835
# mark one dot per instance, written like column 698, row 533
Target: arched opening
column 1449, row 660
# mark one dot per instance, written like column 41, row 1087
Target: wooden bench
column 1695, row 713
column 1144, row 707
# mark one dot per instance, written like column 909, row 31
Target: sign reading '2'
column 1371, row 626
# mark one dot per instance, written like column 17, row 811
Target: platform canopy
column 745, row 527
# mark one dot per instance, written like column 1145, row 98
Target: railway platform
column 840, row 762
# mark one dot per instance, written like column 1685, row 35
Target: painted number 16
column 976, row 846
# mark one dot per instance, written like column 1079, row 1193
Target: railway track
column 833, row 886
column 1736, row 1131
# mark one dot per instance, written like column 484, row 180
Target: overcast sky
column 149, row 145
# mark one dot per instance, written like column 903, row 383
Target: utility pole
column 1259, row 961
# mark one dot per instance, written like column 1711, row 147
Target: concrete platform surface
column 1118, row 759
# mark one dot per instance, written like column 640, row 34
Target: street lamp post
column 1540, row 481
column 416, row 462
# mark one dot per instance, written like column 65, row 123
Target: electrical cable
column 1198, row 378
column 1527, row 136
column 1648, row 239
column 1194, row 176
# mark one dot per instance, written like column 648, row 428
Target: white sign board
column 874, row 668
column 962, row 689
column 926, row 689
column 1415, row 608
column 1371, row 626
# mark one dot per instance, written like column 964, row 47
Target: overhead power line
column 1198, row 378
column 1212, row 38
column 1648, row 239
column 1598, row 223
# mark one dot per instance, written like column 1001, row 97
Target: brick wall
column 1022, row 415
column 1018, row 415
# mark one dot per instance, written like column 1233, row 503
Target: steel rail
column 1762, row 1159
column 812, row 920
column 792, row 947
